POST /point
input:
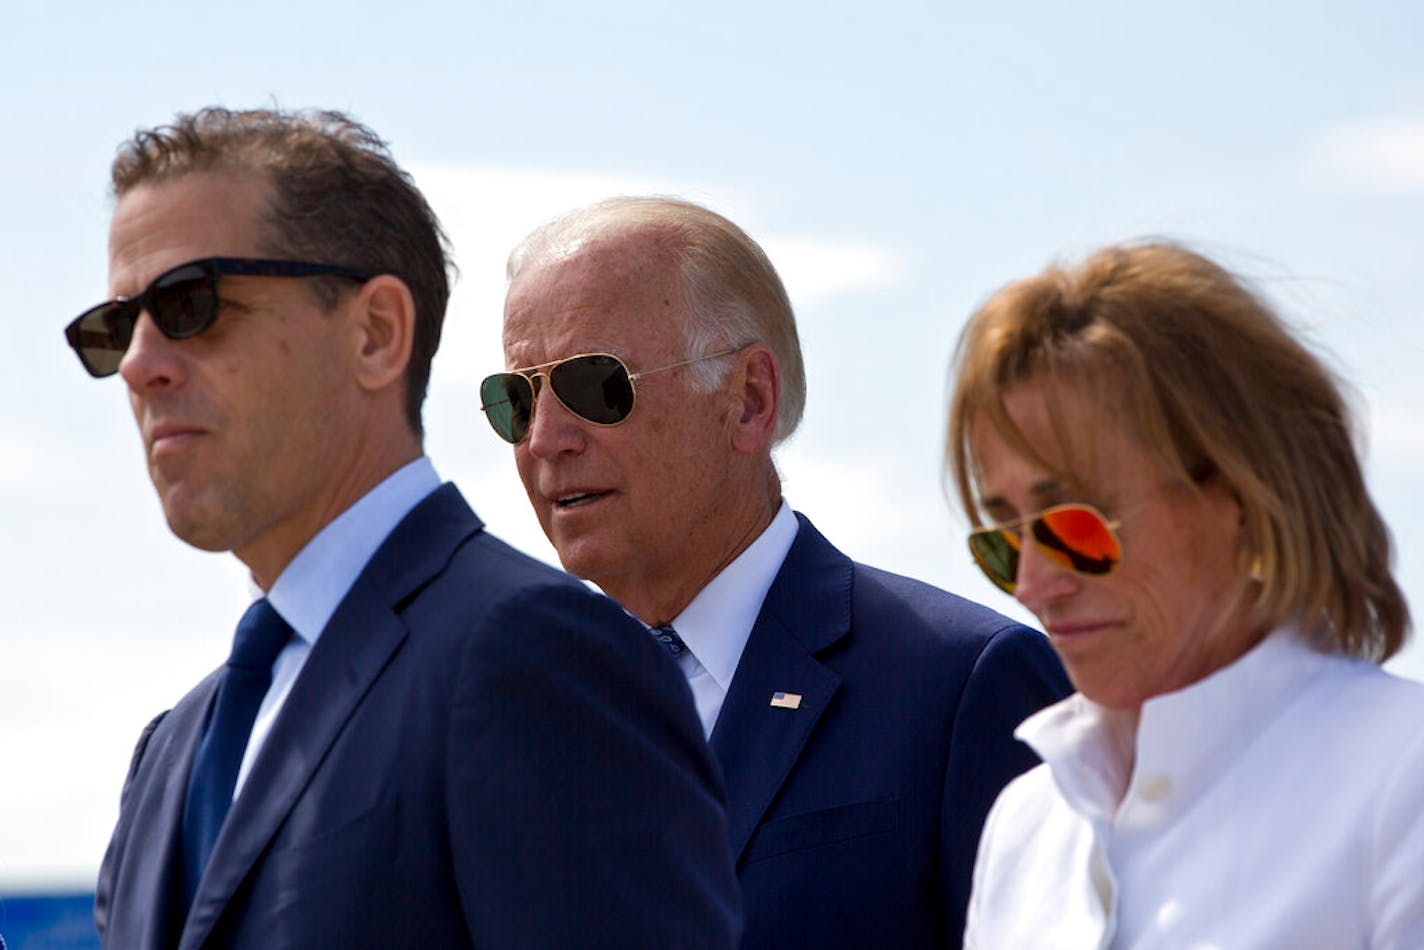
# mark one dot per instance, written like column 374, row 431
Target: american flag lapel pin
column 786, row 700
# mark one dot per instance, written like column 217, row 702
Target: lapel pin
column 786, row 700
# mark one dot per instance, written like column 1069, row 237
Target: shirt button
column 1154, row 790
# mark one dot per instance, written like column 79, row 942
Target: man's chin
column 199, row 530
column 579, row 561
column 589, row 559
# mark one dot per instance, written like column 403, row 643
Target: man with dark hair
column 422, row 738
column 864, row 722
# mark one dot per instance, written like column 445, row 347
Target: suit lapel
column 806, row 610
column 357, row 644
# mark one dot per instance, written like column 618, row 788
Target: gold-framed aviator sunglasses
column 596, row 387
column 1075, row 536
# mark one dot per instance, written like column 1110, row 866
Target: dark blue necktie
column 668, row 637
column 260, row 636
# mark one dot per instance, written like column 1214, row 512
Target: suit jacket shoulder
column 478, row 751
column 856, row 814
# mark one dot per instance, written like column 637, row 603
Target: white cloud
column 887, row 508
column 815, row 270
column 1384, row 153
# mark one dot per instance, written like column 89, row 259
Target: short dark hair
column 337, row 197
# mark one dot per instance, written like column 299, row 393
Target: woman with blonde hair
column 1165, row 476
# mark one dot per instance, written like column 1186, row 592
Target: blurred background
column 898, row 160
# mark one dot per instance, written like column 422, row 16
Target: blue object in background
column 48, row 921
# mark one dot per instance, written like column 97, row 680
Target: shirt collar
column 716, row 624
column 1187, row 735
column 312, row 586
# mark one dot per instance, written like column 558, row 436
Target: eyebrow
column 1048, row 490
column 535, row 367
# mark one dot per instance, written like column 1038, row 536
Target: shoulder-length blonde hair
column 1200, row 369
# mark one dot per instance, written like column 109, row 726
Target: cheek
column 307, row 406
column 1180, row 588
column 526, row 465
column 1211, row 538
column 1162, row 605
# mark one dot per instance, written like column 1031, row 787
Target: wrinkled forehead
column 608, row 296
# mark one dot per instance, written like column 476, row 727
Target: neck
column 656, row 601
column 269, row 552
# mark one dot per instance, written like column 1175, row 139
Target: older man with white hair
column 863, row 721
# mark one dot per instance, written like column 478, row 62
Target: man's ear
column 754, row 383
column 385, row 324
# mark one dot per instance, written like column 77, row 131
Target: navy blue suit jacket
column 855, row 817
column 478, row 752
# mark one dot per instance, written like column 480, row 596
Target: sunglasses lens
column 184, row 302
column 595, row 387
column 101, row 337
column 1077, row 537
column 1074, row 536
column 508, row 402
column 997, row 554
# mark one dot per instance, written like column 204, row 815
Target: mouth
column 1068, row 632
column 168, row 435
column 578, row 499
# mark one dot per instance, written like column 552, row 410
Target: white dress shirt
column 716, row 624
column 1278, row 803
column 311, row 587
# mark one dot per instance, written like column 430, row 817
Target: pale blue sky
column 899, row 160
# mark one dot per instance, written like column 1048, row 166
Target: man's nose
column 151, row 358
column 553, row 429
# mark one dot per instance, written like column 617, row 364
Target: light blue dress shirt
column 313, row 585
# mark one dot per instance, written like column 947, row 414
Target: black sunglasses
column 183, row 302
column 596, row 387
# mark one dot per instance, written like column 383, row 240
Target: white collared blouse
column 1278, row 803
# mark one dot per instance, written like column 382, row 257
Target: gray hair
column 733, row 294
